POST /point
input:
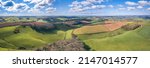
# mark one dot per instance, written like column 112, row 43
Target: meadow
column 27, row 38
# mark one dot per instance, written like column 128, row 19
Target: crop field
column 75, row 33
column 134, row 40
column 90, row 29
column 98, row 28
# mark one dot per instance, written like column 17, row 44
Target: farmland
column 75, row 33
column 27, row 38
column 99, row 28
column 133, row 40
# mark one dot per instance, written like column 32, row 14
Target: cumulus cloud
column 143, row 3
column 32, row 10
column 42, row 2
column 27, row 0
column 18, row 7
column 39, row 5
column 97, row 6
column 77, row 6
column 120, row 5
column 121, row 8
column 8, row 3
column 131, row 8
column 50, row 10
column 148, row 9
column 111, row 6
column 131, row 3
column 33, row 1
column 139, row 7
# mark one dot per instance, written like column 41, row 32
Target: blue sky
column 74, row 7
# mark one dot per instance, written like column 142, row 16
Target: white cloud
column 94, row 6
column 78, row 9
column 14, row 7
column 39, row 1
column 143, row 3
column 18, row 7
column 39, row 5
column 27, row 0
column 74, row 4
column 101, row 6
column 33, row 1
column 120, row 5
column 111, row 6
column 139, row 7
column 97, row 7
column 131, row 8
column 131, row 3
column 85, row 3
column 121, row 8
column 8, row 3
column 50, row 10
column 32, row 10
column 77, row 6
column 95, row 1
column 148, row 9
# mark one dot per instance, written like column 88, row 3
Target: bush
column 16, row 31
column 131, row 26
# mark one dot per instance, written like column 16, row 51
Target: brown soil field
column 99, row 28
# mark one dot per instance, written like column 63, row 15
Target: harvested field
column 98, row 28
column 90, row 29
column 114, row 26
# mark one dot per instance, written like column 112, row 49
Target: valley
column 88, row 33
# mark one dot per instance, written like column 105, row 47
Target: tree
column 16, row 31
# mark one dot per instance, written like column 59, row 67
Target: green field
column 27, row 39
column 133, row 40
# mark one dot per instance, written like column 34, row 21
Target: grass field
column 27, row 38
column 133, row 40
column 94, row 36
column 68, row 34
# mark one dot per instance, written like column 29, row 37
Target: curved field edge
column 134, row 40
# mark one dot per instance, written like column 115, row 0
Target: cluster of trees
column 131, row 26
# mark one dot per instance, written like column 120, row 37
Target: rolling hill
column 27, row 38
column 133, row 40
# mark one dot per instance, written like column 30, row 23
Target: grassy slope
column 68, row 34
column 27, row 38
column 101, row 35
column 138, row 39
column 120, row 39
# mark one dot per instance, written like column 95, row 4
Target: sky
column 74, row 7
